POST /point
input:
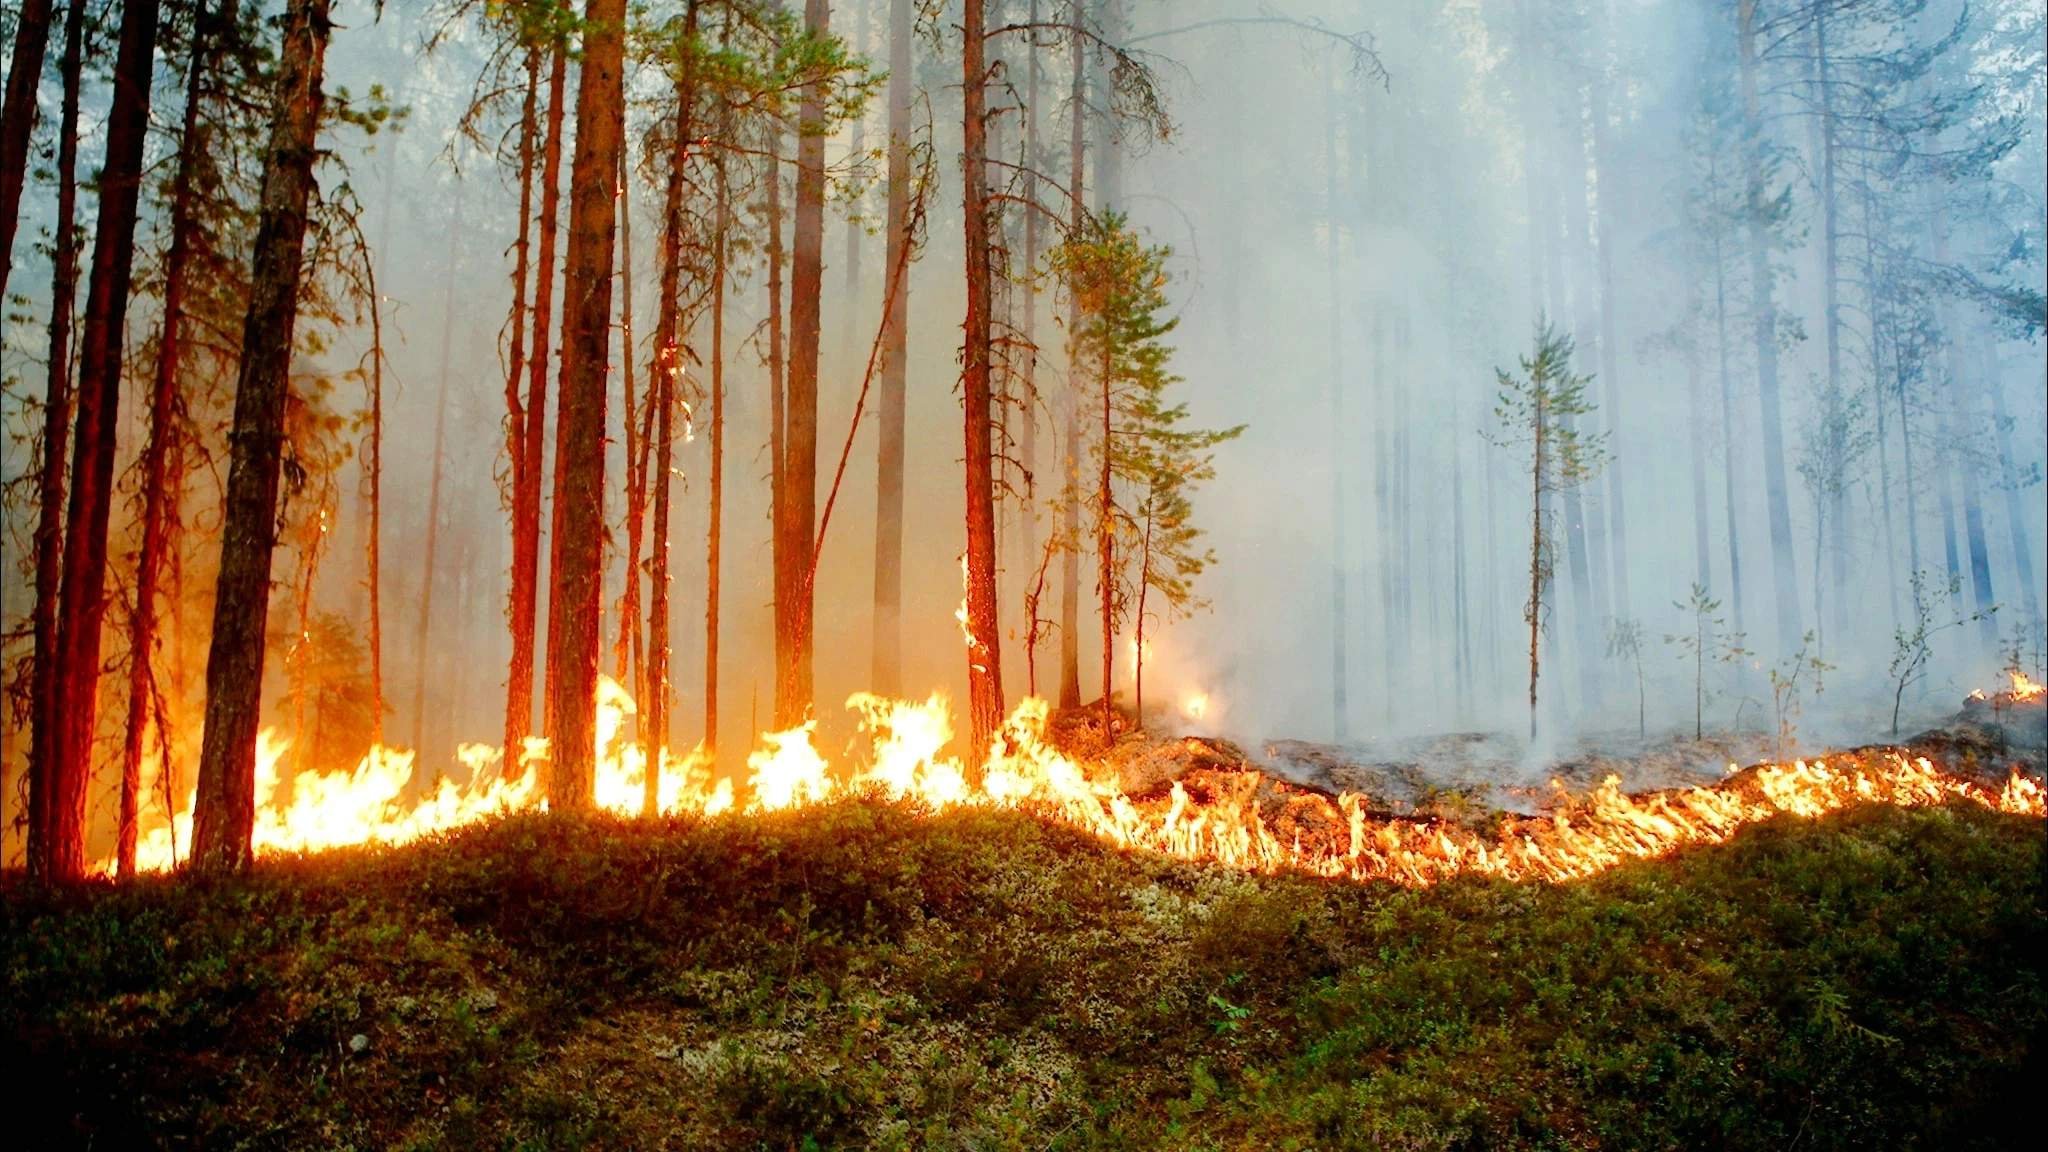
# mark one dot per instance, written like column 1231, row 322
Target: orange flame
column 1238, row 818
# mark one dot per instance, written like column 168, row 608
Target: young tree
column 1706, row 641
column 1913, row 647
column 1625, row 643
column 1538, row 411
column 1145, row 463
column 225, row 812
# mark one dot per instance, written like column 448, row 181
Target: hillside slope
column 859, row 975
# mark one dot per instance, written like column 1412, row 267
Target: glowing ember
column 1235, row 818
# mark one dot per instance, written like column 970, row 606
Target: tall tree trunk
column 526, row 529
column 18, row 116
column 1835, row 500
column 578, row 576
column 1764, row 314
column 888, row 642
column 225, row 812
column 859, row 146
column 721, row 222
column 1962, row 416
column 520, row 605
column 984, row 636
column 1729, row 440
column 422, row 637
column 1105, row 545
column 1070, row 471
column 49, row 537
column 1534, row 610
column 1339, row 629
column 793, row 689
column 626, row 651
column 1609, row 204
column 82, row 601
column 661, row 399
column 1027, row 447
column 166, row 414
column 2019, row 536
column 373, row 472
column 780, row 548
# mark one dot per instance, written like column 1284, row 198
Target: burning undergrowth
column 1189, row 798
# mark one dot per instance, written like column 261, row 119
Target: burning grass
column 869, row 974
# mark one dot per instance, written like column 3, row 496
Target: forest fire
column 1221, row 817
column 2023, row 689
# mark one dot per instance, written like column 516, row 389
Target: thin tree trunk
column 373, row 471
column 1835, row 501
column 1070, row 476
column 780, row 546
column 715, row 532
column 543, row 310
column 422, row 656
column 1609, row 203
column 82, row 601
column 1105, row 548
column 526, row 515
column 1027, row 448
column 626, row 650
column 793, row 688
column 890, row 440
column 49, row 537
column 18, row 116
column 1764, row 313
column 1339, row 629
column 1535, row 609
column 1729, row 439
column 522, row 595
column 2015, row 512
column 661, row 399
column 578, row 576
column 984, row 635
column 225, row 812
column 166, row 411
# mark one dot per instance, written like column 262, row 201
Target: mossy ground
column 861, row 975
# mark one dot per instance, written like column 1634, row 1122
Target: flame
column 2025, row 687
column 1238, row 818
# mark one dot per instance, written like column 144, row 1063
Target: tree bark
column 888, row 623
column 526, row 559
column 573, row 626
column 520, row 606
column 225, row 812
column 793, row 657
column 721, row 221
column 984, row 636
column 780, row 547
column 57, row 403
column 18, row 116
column 166, row 414
column 82, row 600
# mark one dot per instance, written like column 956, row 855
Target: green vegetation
column 859, row 976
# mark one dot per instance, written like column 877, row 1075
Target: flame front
column 1236, row 818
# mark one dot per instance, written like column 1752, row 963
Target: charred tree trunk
column 49, row 537
column 166, row 414
column 18, row 115
column 793, row 654
column 984, row 636
column 573, row 639
column 888, row 641
column 225, row 812
column 82, row 602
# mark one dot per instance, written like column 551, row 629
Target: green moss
column 864, row 976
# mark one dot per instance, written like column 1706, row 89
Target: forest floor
column 863, row 975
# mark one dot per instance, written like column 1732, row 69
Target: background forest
column 1250, row 283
